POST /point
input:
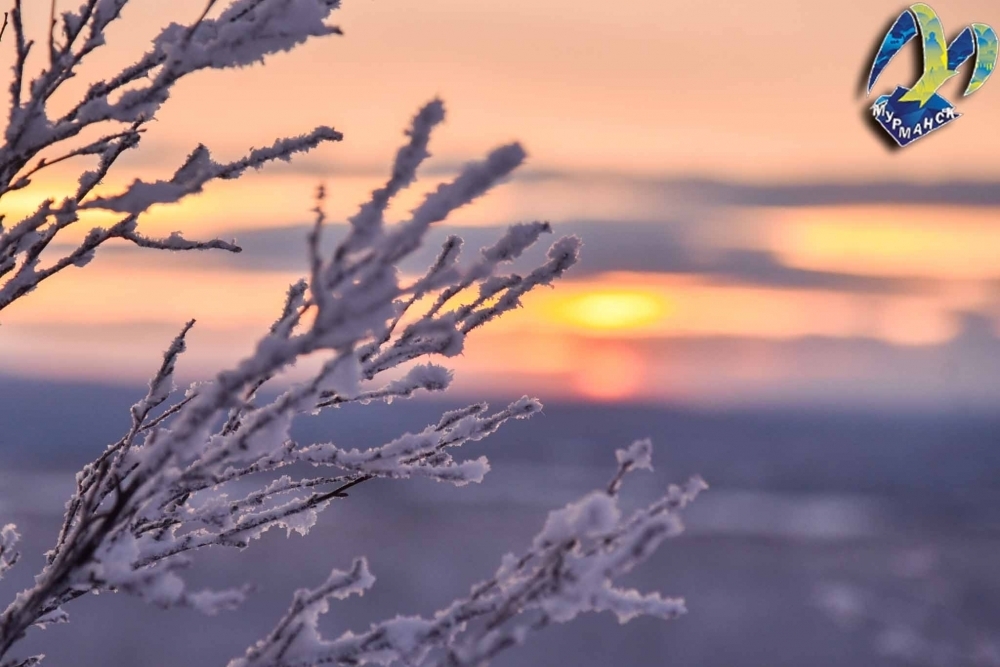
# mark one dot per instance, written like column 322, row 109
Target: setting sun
column 614, row 310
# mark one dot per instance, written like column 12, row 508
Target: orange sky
column 752, row 90
column 761, row 92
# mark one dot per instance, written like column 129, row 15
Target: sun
column 614, row 310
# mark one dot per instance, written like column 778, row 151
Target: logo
column 909, row 114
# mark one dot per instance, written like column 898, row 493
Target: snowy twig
column 154, row 496
column 8, row 555
column 159, row 494
column 246, row 32
column 569, row 569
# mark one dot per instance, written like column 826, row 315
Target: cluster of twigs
column 159, row 494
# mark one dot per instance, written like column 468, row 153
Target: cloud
column 608, row 246
column 955, row 192
column 858, row 372
column 700, row 189
column 763, row 268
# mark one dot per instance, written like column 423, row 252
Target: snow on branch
column 570, row 568
column 161, row 493
column 166, row 489
column 200, row 169
column 246, row 32
column 8, row 555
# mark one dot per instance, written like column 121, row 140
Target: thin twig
column 52, row 33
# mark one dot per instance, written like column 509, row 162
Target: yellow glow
column 160, row 287
column 635, row 305
column 900, row 240
column 614, row 310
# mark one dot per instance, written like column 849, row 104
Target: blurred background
column 806, row 318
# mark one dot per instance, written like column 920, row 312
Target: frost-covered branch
column 167, row 488
column 119, row 108
column 8, row 555
column 570, row 568
column 158, row 494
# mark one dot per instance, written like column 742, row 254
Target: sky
column 748, row 238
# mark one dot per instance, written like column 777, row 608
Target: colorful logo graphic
column 908, row 114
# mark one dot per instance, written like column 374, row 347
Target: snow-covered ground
column 797, row 501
